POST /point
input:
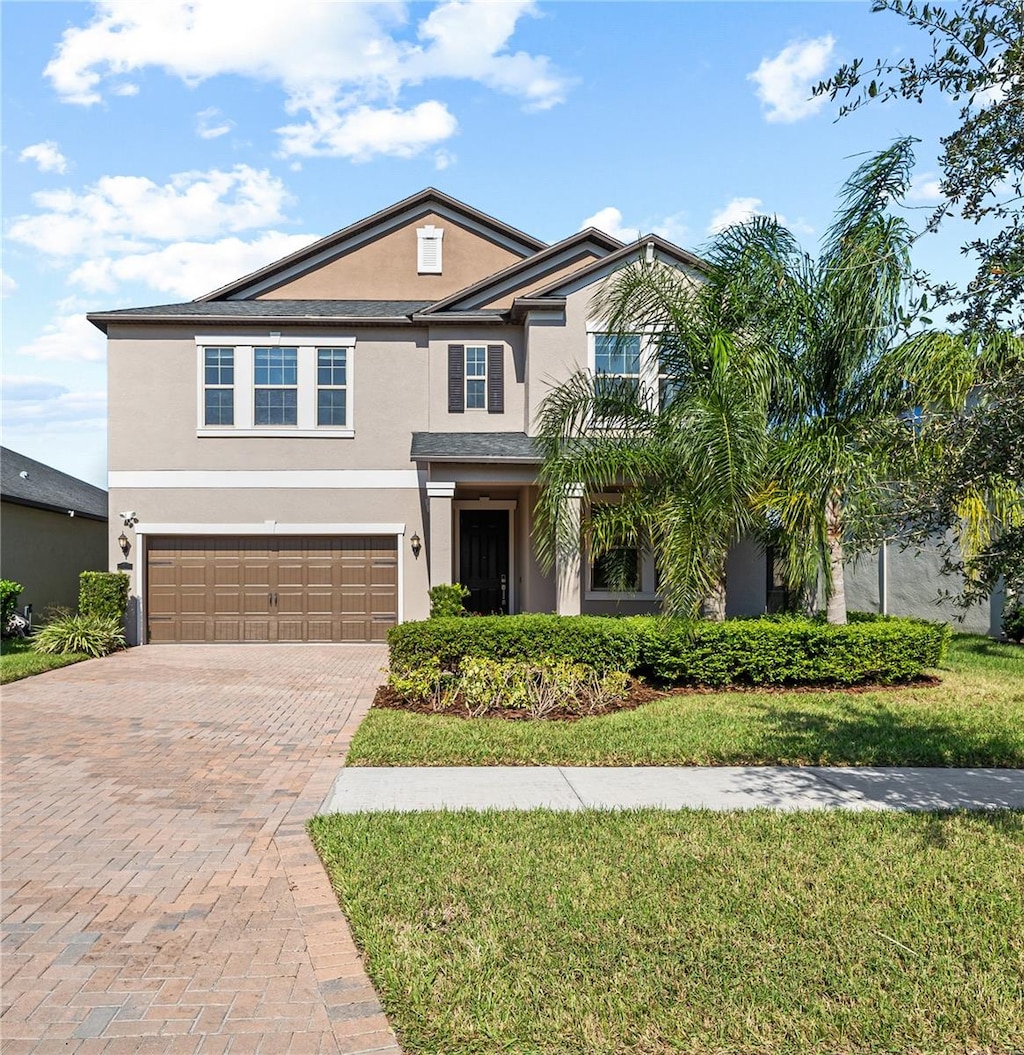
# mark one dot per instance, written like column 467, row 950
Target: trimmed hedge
column 604, row 644
column 103, row 594
column 790, row 651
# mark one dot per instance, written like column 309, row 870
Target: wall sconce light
column 416, row 544
column 122, row 541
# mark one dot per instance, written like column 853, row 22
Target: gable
column 385, row 267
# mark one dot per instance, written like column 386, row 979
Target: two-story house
column 301, row 454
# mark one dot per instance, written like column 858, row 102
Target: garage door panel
column 287, row 588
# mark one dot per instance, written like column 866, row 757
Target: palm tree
column 796, row 401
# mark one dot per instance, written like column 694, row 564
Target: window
column 428, row 249
column 476, row 377
column 629, row 361
column 276, row 377
column 626, row 573
column 261, row 386
column 219, row 386
column 616, row 363
column 332, row 386
column 616, row 570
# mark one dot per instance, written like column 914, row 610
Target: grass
column 650, row 931
column 17, row 660
column 974, row 718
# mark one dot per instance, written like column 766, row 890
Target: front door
column 483, row 559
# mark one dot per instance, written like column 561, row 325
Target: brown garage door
column 239, row 588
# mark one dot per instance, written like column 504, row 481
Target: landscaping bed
column 654, row 931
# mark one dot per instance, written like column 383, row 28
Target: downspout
column 883, row 579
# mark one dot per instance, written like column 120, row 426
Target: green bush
column 603, row 644
column 791, row 651
column 94, row 635
column 9, row 591
column 103, row 593
column 446, row 599
column 1013, row 622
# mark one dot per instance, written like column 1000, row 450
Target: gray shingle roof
column 256, row 309
column 473, row 447
column 48, row 488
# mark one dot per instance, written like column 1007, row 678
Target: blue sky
column 154, row 151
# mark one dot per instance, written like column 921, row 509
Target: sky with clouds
column 154, row 151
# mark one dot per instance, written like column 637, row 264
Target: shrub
column 9, row 591
column 603, row 644
column 793, row 652
column 537, row 688
column 447, row 599
column 1013, row 622
column 95, row 635
column 103, row 593
column 790, row 651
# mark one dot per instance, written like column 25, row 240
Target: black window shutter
column 495, row 379
column 456, row 378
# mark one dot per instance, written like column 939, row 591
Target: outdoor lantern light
column 416, row 544
column 122, row 541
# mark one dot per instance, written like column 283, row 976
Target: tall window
column 276, row 379
column 332, row 386
column 476, row 377
column 219, row 390
column 617, row 368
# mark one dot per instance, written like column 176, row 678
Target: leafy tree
column 977, row 60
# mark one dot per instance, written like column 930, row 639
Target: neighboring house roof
column 427, row 200
column 473, row 447
column 265, row 311
column 28, row 482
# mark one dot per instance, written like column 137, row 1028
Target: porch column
column 567, row 558
column 439, row 549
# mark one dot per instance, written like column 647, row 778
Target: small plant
column 446, row 599
column 93, row 635
column 9, row 591
column 103, row 593
column 1013, row 621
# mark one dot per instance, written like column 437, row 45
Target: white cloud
column 925, row 188
column 19, row 388
column 784, row 82
column 610, row 220
column 444, row 159
column 34, row 405
column 365, row 132
column 188, row 269
column 127, row 212
column 71, row 338
column 7, row 285
column 742, row 210
column 211, row 123
column 341, row 65
column 46, row 155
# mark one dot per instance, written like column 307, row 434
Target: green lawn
column 17, row 660
column 650, row 931
column 975, row 718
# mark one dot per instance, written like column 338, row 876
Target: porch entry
column 484, row 559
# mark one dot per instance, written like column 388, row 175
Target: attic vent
column 428, row 249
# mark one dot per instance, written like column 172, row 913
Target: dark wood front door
column 483, row 559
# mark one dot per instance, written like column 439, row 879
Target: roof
column 473, row 447
column 427, row 200
column 31, row 483
column 265, row 311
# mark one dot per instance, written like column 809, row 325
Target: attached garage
column 224, row 588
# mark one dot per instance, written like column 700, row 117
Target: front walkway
column 159, row 891
column 673, row 787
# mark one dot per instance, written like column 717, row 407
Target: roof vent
column 428, row 249
column 24, row 474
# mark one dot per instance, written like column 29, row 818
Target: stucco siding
column 46, row 552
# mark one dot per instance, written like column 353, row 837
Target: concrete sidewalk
column 365, row 789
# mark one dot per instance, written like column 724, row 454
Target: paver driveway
column 160, row 893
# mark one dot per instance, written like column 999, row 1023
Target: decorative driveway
column 159, row 890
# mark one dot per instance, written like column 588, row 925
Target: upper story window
column 259, row 386
column 631, row 360
column 476, row 378
column 219, row 386
column 429, row 240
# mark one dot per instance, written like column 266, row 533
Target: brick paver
column 160, row 894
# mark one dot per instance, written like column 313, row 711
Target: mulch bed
column 639, row 694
